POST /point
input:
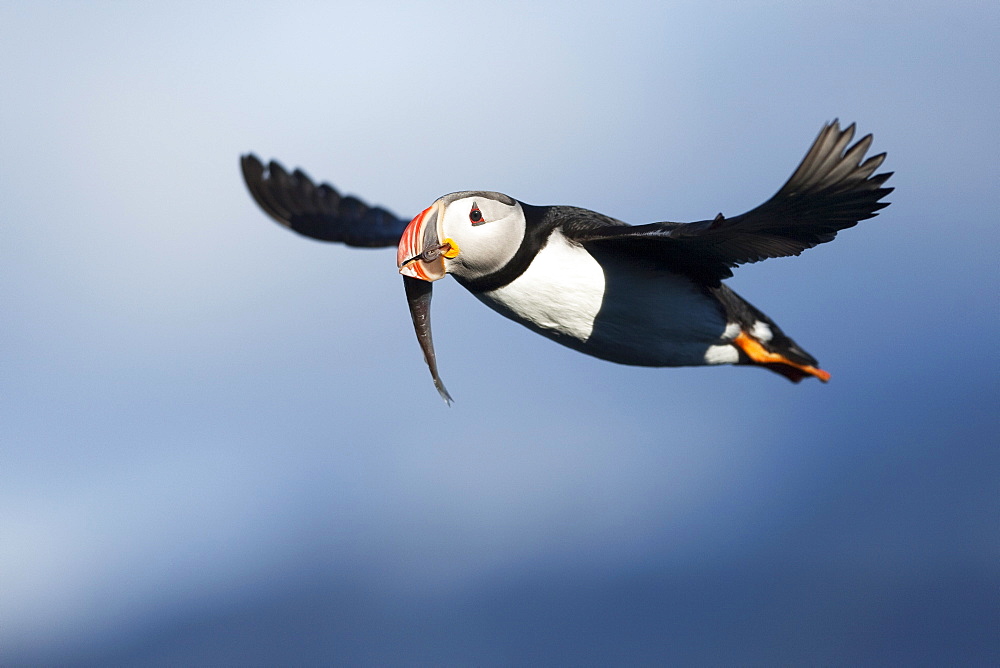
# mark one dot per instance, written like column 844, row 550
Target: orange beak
column 421, row 253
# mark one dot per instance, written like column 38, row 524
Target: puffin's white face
column 469, row 234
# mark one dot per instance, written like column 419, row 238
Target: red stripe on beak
column 410, row 241
column 413, row 245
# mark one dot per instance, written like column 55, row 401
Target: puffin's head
column 469, row 234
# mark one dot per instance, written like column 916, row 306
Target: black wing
column 318, row 211
column 830, row 191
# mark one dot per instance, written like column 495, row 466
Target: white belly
column 615, row 310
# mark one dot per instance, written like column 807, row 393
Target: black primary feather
column 831, row 190
column 319, row 212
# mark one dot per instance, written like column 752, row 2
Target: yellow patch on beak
column 452, row 248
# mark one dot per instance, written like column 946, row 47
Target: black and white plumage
column 319, row 212
column 648, row 295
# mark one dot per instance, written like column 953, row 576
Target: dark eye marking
column 476, row 216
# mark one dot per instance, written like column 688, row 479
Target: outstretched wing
column 830, row 191
column 319, row 211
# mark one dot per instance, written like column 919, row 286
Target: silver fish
column 418, row 298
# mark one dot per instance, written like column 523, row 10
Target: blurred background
column 219, row 442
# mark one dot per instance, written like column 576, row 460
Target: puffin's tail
column 760, row 342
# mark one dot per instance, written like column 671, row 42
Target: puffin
column 645, row 295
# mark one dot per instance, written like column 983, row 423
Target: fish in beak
column 420, row 258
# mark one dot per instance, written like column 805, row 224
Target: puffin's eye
column 476, row 216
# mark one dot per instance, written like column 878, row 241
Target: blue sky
column 218, row 440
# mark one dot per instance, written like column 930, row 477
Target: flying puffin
column 645, row 295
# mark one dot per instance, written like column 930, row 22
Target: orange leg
column 756, row 352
